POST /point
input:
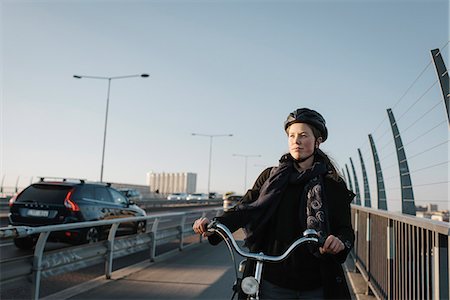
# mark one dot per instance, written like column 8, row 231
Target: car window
column 43, row 193
column 84, row 192
column 118, row 198
column 101, row 194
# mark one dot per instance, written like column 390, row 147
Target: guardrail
column 400, row 256
column 76, row 257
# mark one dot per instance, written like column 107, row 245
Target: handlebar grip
column 310, row 233
column 211, row 226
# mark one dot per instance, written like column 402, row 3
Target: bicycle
column 250, row 284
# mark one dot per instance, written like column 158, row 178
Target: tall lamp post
column 246, row 156
column 211, row 136
column 144, row 75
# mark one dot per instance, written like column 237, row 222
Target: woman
column 304, row 191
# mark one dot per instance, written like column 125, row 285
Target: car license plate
column 37, row 213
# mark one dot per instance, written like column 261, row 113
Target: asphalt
column 198, row 272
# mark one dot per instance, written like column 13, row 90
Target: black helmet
column 308, row 116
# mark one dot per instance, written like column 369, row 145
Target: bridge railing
column 44, row 264
column 401, row 256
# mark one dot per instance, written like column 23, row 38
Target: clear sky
column 220, row 67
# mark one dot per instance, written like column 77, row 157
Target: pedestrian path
column 198, row 272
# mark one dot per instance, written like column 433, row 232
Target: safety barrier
column 401, row 256
column 44, row 264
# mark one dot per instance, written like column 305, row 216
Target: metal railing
column 401, row 256
column 45, row 264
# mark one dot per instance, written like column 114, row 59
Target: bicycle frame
column 250, row 285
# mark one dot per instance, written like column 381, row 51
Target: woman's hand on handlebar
column 200, row 227
column 332, row 245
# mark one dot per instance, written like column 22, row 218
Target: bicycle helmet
column 308, row 116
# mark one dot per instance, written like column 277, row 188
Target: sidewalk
column 199, row 272
column 195, row 273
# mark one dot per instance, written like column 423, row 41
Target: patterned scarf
column 273, row 188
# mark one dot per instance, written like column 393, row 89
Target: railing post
column 369, row 277
column 37, row 263
column 153, row 240
column 110, row 250
column 448, row 265
column 390, row 259
column 435, row 267
column 183, row 220
column 356, row 235
column 444, row 267
column 441, row 267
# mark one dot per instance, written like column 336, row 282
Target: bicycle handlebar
column 309, row 235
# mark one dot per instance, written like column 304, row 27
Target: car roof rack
column 108, row 184
column 63, row 179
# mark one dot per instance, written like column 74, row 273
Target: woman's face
column 301, row 140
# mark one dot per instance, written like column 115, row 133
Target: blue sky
column 218, row 67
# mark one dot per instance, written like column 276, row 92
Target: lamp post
column 211, row 136
column 246, row 156
column 144, row 75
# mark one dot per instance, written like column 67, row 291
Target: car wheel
column 92, row 235
column 25, row 243
column 141, row 227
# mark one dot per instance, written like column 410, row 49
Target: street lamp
column 246, row 156
column 144, row 75
column 211, row 136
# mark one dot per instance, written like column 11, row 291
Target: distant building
column 430, row 211
column 166, row 183
column 428, row 207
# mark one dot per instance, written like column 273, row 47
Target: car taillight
column 12, row 200
column 72, row 206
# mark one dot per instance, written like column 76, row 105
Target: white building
column 166, row 183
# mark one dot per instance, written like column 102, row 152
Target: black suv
column 69, row 201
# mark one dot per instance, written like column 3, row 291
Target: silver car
column 197, row 196
column 177, row 196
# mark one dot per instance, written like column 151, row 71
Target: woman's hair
column 333, row 172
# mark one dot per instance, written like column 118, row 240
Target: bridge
column 397, row 255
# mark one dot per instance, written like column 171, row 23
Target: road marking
column 8, row 244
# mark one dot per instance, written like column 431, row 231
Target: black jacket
column 329, row 268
